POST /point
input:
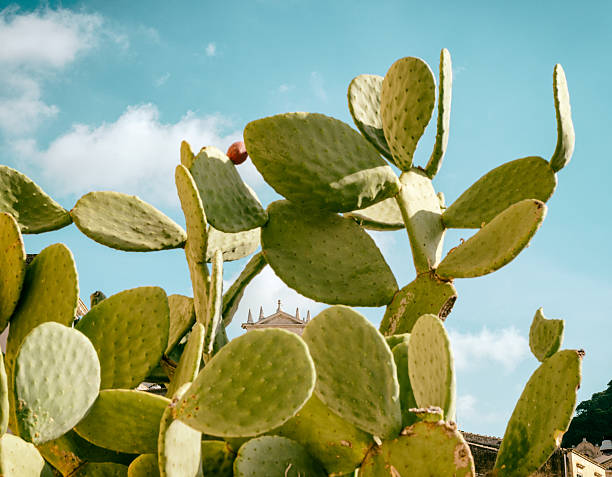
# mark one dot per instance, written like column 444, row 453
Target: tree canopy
column 593, row 420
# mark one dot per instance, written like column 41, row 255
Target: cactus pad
column 545, row 336
column 384, row 215
column 394, row 340
column 4, row 398
column 424, row 449
column 44, row 369
column 332, row 338
column 264, row 364
column 145, row 465
column 135, row 416
column 430, row 365
column 125, row 222
column 217, row 459
column 319, row 162
column 526, row 178
column 232, row 297
column 215, row 301
column 182, row 318
column 326, row 257
column 12, row 269
column 187, row 156
column 406, row 103
column 497, row 243
column 275, row 456
column 101, row 469
column 541, row 416
column 364, row 105
column 189, row 365
column 407, row 400
column 426, row 294
column 565, row 126
column 19, row 458
column 230, row 205
column 234, row 246
column 130, row 333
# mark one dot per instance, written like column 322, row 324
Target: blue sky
column 97, row 95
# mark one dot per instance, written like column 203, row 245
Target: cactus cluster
column 345, row 398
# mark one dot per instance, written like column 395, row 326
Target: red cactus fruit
column 237, row 152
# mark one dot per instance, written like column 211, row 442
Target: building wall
column 582, row 467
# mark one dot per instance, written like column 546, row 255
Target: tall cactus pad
column 275, row 456
column 332, row 338
column 565, row 126
column 144, row 465
column 101, row 469
column 541, row 416
column 424, row 449
column 189, row 365
column 233, row 295
column 407, row 101
column 526, row 178
column 135, row 418
column 444, row 109
column 430, row 365
column 334, row 442
column 545, row 336
column 19, row 458
column 326, row 257
column 384, row 215
column 364, row 105
column 217, row 459
column 182, row 318
column 215, row 301
column 34, row 210
column 187, row 156
column 420, row 207
column 125, row 222
column 407, row 400
column 426, row 294
column 12, row 268
column 4, row 398
column 47, row 366
column 497, row 243
column 318, row 161
column 230, row 205
column 130, row 333
column 234, row 246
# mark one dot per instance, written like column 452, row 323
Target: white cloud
column 466, row 406
column 211, row 49
column 162, row 80
column 285, row 88
column 316, row 83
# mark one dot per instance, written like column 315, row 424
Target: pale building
column 278, row 319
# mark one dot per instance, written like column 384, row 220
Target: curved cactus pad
column 34, row 211
column 430, row 365
column 273, row 455
column 135, row 418
column 407, row 400
column 384, row 215
column 19, row 458
column 182, row 318
column 526, row 178
column 215, row 301
column 497, row 243
column 189, row 365
column 394, row 340
column 263, row 364
column 364, row 105
column 125, row 222
column 333, row 336
column 425, row 294
column 12, row 268
column 187, row 156
column 230, row 205
column 234, row 246
column 144, row 465
column 232, row 297
column 326, row 257
column 545, row 336
column 406, row 103
column 4, row 397
column 541, row 416
column 217, row 459
column 318, row 161
column 565, row 126
column 130, row 332
column 425, row 449
column 101, row 469
column 45, row 368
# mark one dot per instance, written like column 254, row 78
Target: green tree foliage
column 593, row 420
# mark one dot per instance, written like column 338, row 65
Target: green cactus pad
column 407, row 400
column 144, row 465
column 125, row 222
column 275, row 456
column 230, row 205
column 394, row 340
column 334, row 442
column 565, row 126
column 425, row 294
column 545, row 336
column 101, row 469
column 44, row 369
column 384, row 215
column 234, row 246
column 215, row 302
column 217, row 459
column 497, row 243
column 319, row 162
column 4, row 397
column 424, row 449
column 541, row 416
column 12, row 269
column 34, row 211
column 406, row 103
column 332, row 338
column 444, row 108
column 232, row 297
column 364, row 105
column 420, row 208
column 264, row 364
column 130, row 333
column 182, row 318
column 187, row 156
column 135, row 416
column 326, row 257
column 19, row 458
column 189, row 365
column 430, row 366
column 526, row 178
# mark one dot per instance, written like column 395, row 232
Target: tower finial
column 308, row 316
column 250, row 317
column 260, row 313
column 297, row 313
column 278, row 306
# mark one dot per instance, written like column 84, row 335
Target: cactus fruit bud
column 237, row 152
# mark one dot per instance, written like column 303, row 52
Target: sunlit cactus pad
column 189, row 365
column 545, row 336
column 12, row 267
column 19, row 458
column 384, row 215
column 182, row 318
column 144, row 465
column 565, row 126
column 234, row 246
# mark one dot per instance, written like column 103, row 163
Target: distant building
column 279, row 319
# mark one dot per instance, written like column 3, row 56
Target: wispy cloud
column 285, row 88
column 160, row 81
column 211, row 49
column 317, row 85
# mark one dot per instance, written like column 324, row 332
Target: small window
column 578, row 475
